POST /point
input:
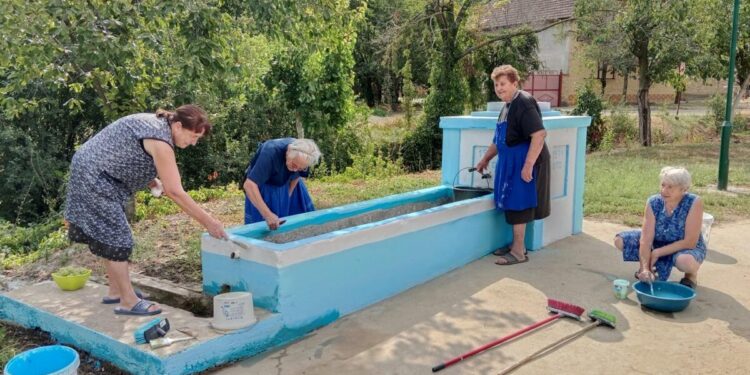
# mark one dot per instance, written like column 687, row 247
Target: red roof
column 522, row 12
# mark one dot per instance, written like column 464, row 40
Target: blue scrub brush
column 151, row 330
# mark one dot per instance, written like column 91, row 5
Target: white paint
column 345, row 239
column 562, row 146
column 474, row 143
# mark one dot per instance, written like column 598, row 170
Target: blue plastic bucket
column 44, row 360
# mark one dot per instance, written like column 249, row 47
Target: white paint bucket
column 708, row 220
column 233, row 311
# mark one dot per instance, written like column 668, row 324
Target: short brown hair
column 505, row 70
column 191, row 116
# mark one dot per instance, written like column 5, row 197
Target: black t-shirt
column 525, row 119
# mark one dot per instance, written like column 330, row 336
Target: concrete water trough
column 325, row 264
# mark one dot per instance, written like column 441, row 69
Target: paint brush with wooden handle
column 166, row 341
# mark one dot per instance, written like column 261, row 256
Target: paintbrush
column 166, row 341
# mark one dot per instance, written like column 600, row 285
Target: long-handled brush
column 559, row 308
column 597, row 317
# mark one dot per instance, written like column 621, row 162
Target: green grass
column 7, row 347
column 327, row 193
column 618, row 183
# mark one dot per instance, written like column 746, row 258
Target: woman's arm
column 166, row 168
column 648, row 230
column 253, row 194
column 537, row 143
column 693, row 224
column 491, row 152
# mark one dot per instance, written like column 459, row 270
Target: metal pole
column 726, row 126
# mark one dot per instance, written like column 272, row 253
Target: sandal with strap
column 140, row 309
column 511, row 259
column 110, row 301
column 505, row 250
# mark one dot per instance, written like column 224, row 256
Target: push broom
column 597, row 317
column 559, row 308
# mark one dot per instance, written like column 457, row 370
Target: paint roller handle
column 553, row 345
column 495, row 343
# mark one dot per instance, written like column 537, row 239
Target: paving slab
column 426, row 325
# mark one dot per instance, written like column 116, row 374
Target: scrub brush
column 151, row 330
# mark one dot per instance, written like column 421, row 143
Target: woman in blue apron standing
column 523, row 162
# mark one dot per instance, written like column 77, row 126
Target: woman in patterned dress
column 671, row 232
column 109, row 168
column 522, row 171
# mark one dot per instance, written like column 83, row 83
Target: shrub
column 589, row 103
column 623, row 127
column 717, row 107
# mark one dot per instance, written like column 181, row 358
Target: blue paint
column 267, row 334
column 534, row 239
column 363, row 275
column 270, row 332
column 580, row 168
column 241, row 275
column 66, row 332
column 451, row 151
column 253, row 233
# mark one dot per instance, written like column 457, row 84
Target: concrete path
column 420, row 328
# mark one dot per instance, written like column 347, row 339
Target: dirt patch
column 23, row 339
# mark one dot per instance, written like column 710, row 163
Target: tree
column 658, row 34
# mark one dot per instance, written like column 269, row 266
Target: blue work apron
column 512, row 193
column 278, row 200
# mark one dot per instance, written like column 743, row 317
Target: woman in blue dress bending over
column 522, row 183
column 671, row 232
column 273, row 181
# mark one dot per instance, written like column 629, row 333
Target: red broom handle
column 495, row 343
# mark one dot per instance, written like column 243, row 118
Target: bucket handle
column 485, row 176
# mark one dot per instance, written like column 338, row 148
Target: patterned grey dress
column 105, row 172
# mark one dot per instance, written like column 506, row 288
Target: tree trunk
column 624, row 88
column 298, row 125
column 644, row 116
column 603, row 77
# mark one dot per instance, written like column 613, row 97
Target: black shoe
column 688, row 283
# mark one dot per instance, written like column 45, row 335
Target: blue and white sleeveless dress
column 668, row 229
column 105, row 173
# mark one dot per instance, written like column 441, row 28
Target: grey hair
column 307, row 148
column 676, row 176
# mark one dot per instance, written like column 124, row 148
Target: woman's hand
column 655, row 255
column 273, row 221
column 527, row 172
column 481, row 166
column 216, row 229
column 646, row 276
